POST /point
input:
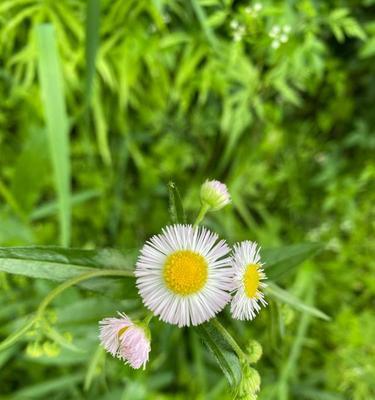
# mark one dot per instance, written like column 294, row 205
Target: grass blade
column 50, row 208
column 176, row 209
column 57, row 122
column 92, row 42
column 285, row 297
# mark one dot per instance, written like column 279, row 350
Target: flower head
column 184, row 275
column 215, row 195
column 248, row 277
column 125, row 340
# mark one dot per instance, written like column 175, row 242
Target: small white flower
column 166, row 18
column 125, row 340
column 275, row 44
column 283, row 38
column 248, row 277
column 234, row 24
column 184, row 275
column 249, row 10
column 214, row 193
column 237, row 37
column 287, row 29
column 274, row 32
column 258, row 7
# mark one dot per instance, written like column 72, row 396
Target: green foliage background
column 153, row 91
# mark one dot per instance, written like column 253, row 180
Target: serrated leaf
column 284, row 260
column 222, row 351
column 286, row 297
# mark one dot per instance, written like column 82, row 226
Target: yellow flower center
column 251, row 280
column 185, row 272
column 121, row 331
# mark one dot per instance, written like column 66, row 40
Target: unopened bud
column 215, row 195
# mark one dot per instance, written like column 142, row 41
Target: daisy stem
column 229, row 338
column 148, row 318
column 202, row 212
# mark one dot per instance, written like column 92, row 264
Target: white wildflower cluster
column 279, row 35
column 254, row 10
column 238, row 30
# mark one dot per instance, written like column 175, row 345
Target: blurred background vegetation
column 104, row 102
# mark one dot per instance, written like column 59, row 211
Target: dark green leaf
column 284, row 260
column 60, row 264
column 176, row 208
column 222, row 351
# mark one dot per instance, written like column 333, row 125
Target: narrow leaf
column 284, row 260
column 57, row 122
column 51, row 208
column 176, row 208
column 282, row 295
column 60, row 264
column 92, row 41
column 222, row 351
column 96, row 361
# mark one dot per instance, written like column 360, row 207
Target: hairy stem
column 229, row 338
column 202, row 213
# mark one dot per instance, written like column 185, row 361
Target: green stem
column 229, row 338
column 73, row 281
column 13, row 338
column 202, row 212
column 148, row 318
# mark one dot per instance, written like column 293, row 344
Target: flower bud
column 254, row 351
column 214, row 195
column 34, row 350
column 126, row 340
column 250, row 383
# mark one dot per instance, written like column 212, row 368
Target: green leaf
column 60, row 264
column 57, row 122
column 39, row 390
column 31, row 170
column 282, row 295
column 176, row 208
column 201, row 16
column 222, row 351
column 284, row 260
column 92, row 369
column 50, row 208
column 92, row 42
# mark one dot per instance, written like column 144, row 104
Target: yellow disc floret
column 251, row 280
column 185, row 272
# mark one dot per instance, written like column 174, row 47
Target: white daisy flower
column 125, row 340
column 184, row 275
column 248, row 277
column 215, row 193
